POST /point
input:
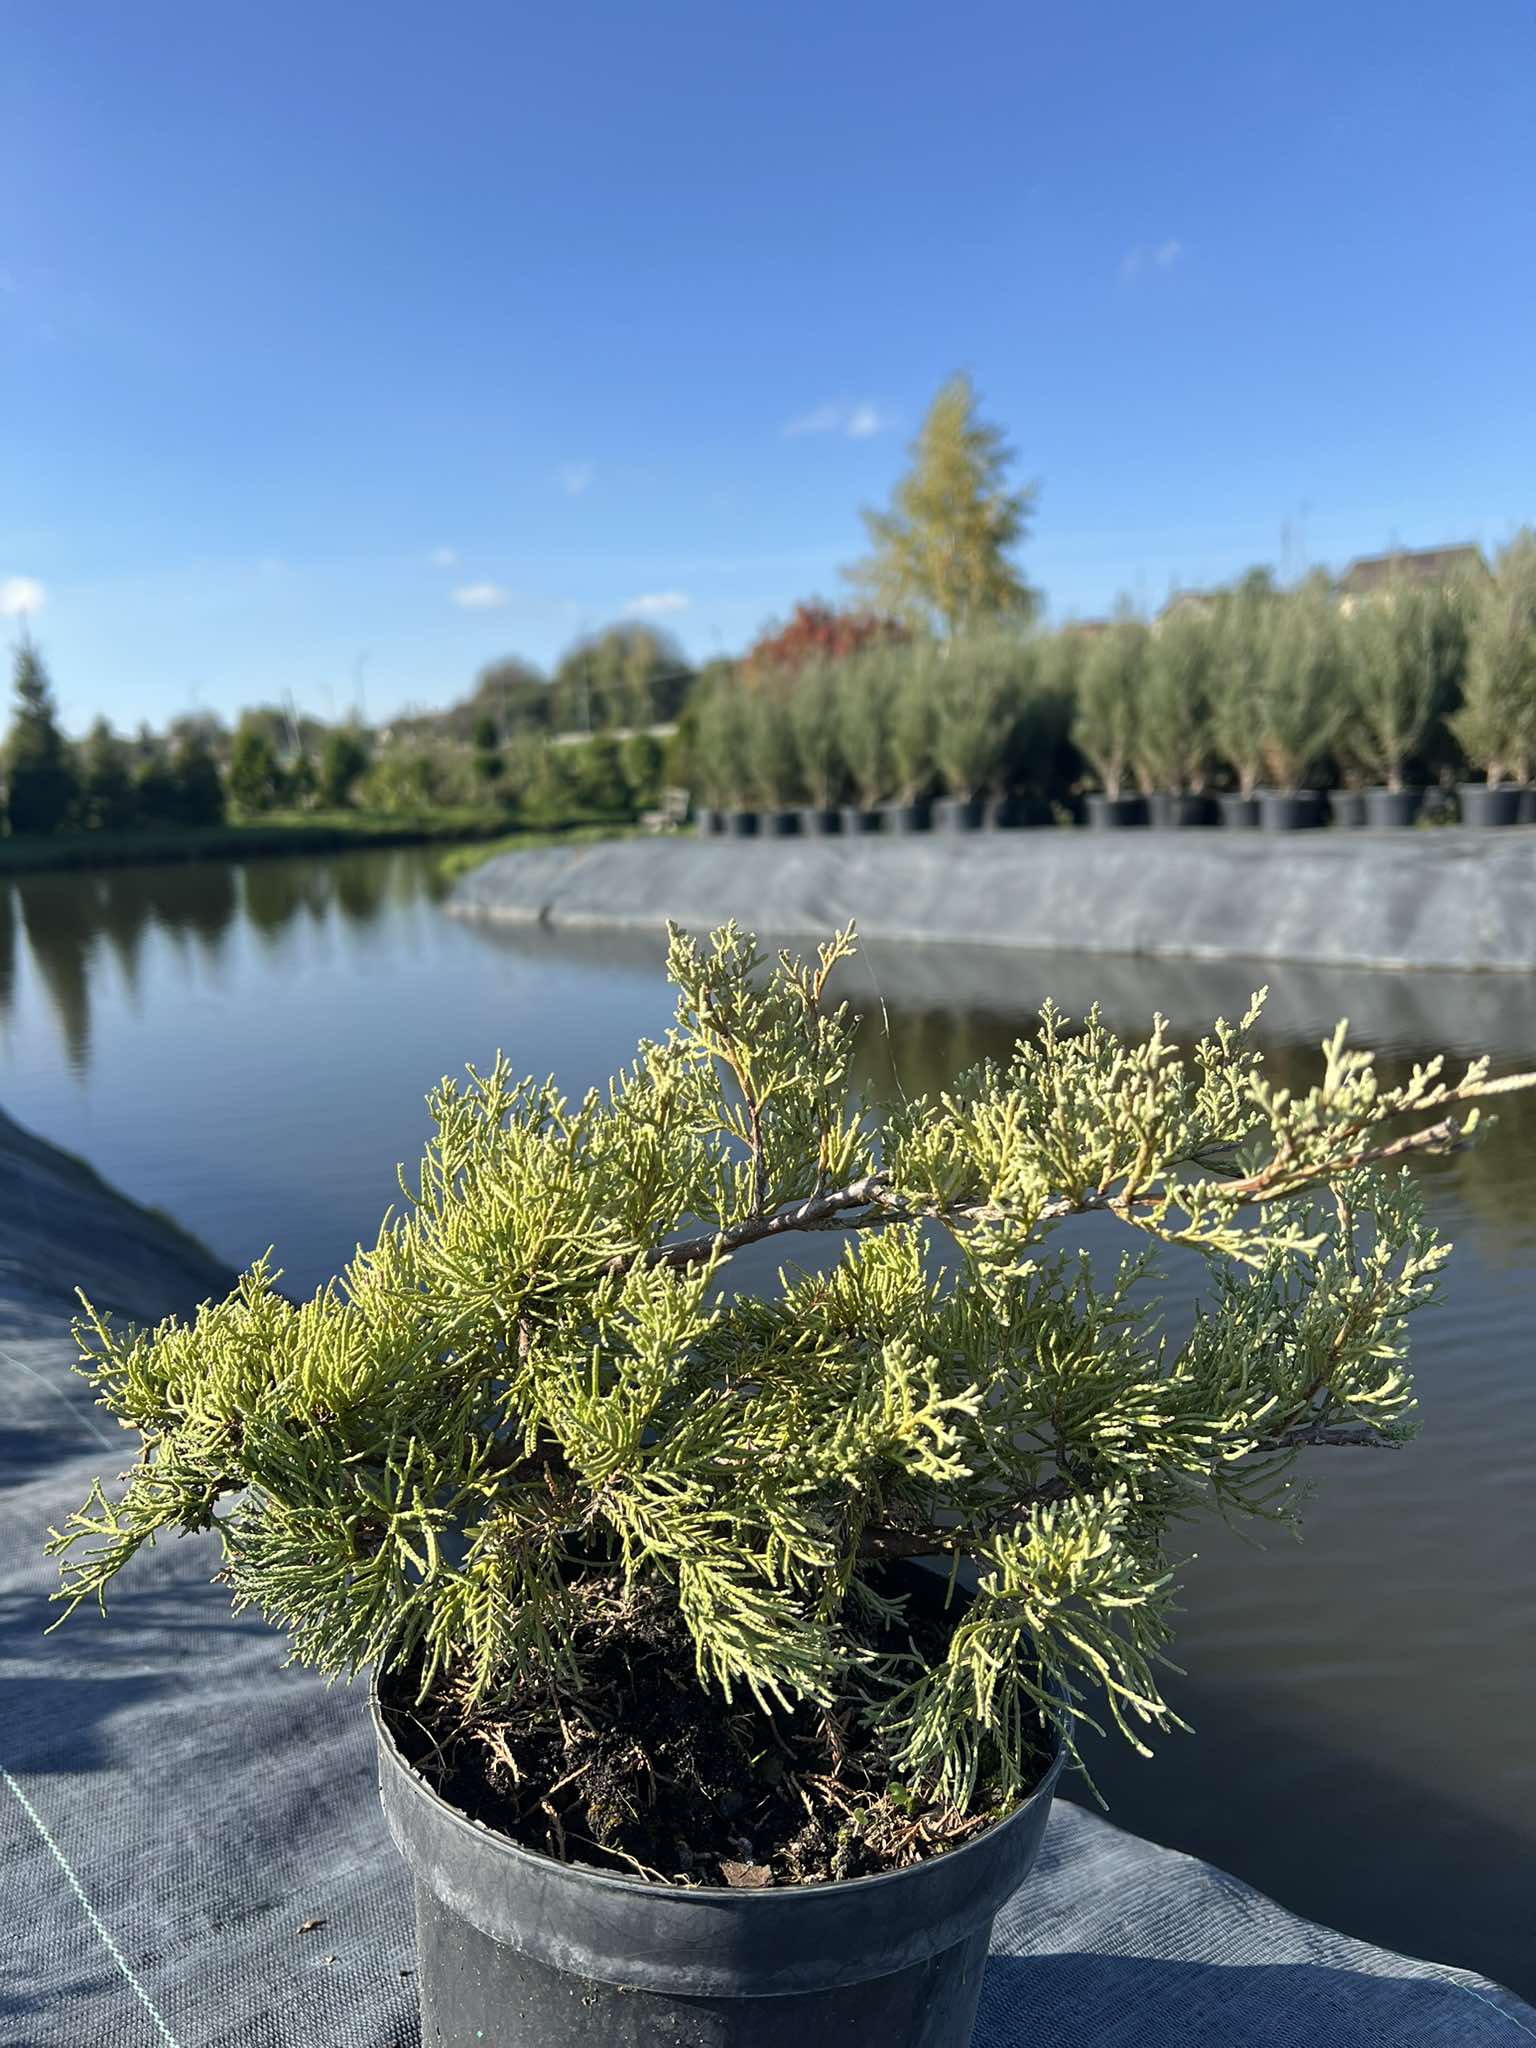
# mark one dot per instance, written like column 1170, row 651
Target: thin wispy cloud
column 1149, row 256
column 443, row 558
column 480, row 597
column 657, row 604
column 858, row 421
column 20, row 596
column 575, row 478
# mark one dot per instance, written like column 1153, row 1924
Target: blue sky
column 346, row 341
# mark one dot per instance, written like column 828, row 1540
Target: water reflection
column 73, row 922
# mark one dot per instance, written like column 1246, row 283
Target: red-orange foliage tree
column 820, row 631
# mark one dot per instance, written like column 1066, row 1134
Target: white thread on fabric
column 90, row 1911
column 89, row 1421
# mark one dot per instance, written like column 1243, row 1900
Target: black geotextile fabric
column 192, row 1854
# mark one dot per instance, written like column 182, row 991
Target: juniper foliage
column 534, row 1392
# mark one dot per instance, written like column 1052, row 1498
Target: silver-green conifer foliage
column 534, row 1394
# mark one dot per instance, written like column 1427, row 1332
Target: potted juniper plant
column 1496, row 725
column 723, row 752
column 679, row 1741
column 910, row 733
column 1173, row 721
column 978, row 694
column 1299, row 703
column 1243, row 619
column 867, row 682
column 773, row 757
column 813, row 708
column 1109, row 687
column 1405, row 650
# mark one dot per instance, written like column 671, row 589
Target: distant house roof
column 1423, row 565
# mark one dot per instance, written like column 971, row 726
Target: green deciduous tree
column 942, row 555
column 1496, row 725
column 1109, row 691
column 815, row 711
column 40, row 783
column 534, row 1404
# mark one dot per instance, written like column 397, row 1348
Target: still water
column 249, row 1047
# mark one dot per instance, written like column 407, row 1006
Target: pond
column 248, row 1047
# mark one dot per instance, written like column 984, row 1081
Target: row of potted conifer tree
column 1253, row 706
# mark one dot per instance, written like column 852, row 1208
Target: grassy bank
column 279, row 833
column 463, row 858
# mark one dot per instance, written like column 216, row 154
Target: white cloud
column 480, row 597
column 21, row 595
column 444, row 558
column 657, row 604
column 858, row 421
column 1155, row 256
column 575, row 477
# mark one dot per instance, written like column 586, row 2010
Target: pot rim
column 746, row 1897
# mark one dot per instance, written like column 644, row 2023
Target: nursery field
column 247, row 1047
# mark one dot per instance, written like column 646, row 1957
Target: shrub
column 1302, row 697
column 1404, row 652
column 255, row 780
column 815, row 716
column 979, row 689
column 343, row 763
column 1244, row 618
column 1496, row 726
column 867, row 686
column 773, row 754
column 533, row 1407
column 1173, row 724
column 722, row 747
column 642, row 760
column 1109, row 689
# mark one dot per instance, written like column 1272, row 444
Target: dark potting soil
column 651, row 1773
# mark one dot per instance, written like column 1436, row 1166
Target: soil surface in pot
column 650, row 1774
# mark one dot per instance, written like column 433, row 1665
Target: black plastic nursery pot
column 1527, row 811
column 913, row 817
column 742, row 824
column 1176, row 810
column 1238, row 813
column 1289, row 810
column 959, row 814
column 821, row 823
column 1114, row 813
column 709, row 821
column 516, row 1950
column 856, row 820
column 781, row 824
column 1392, row 809
column 1346, row 808
column 1485, row 804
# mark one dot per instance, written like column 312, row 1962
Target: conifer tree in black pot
column 813, row 719
column 1173, row 720
column 1300, row 706
column 1243, row 618
column 1405, row 653
column 677, row 1743
column 910, row 736
column 866, row 689
column 979, row 689
column 1496, row 725
column 1109, row 688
